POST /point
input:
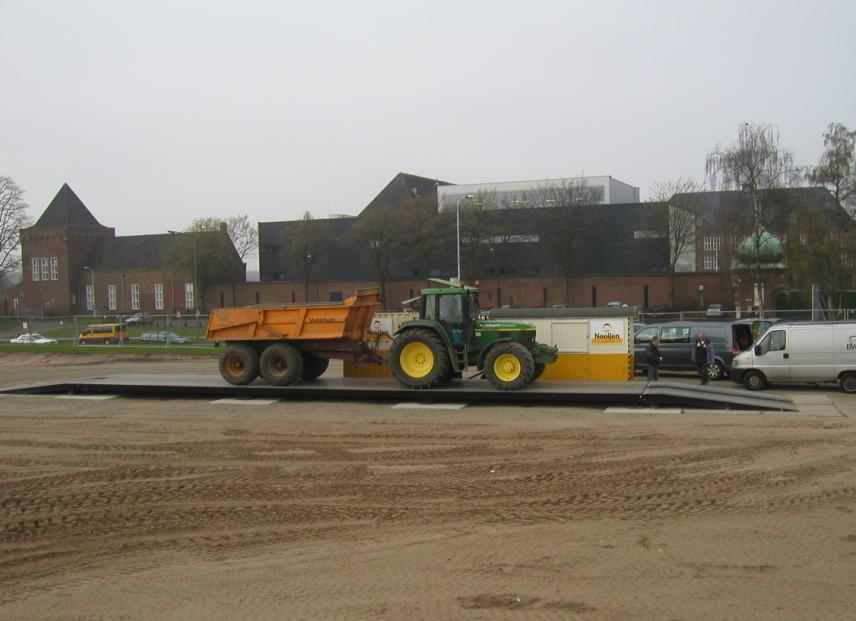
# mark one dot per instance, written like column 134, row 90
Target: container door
column 772, row 356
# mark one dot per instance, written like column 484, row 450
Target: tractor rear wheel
column 281, row 364
column 239, row 364
column 419, row 359
column 313, row 367
column 509, row 366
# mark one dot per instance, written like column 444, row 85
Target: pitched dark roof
column 66, row 209
column 131, row 252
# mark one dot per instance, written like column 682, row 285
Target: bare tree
column 208, row 256
column 836, row 169
column 244, row 236
column 755, row 163
column 677, row 225
column 306, row 247
column 564, row 222
column 379, row 232
column 13, row 217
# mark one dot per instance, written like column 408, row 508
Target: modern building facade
column 601, row 190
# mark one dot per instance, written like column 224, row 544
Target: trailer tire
column 313, row 367
column 239, row 364
column 281, row 364
column 419, row 359
column 509, row 366
column 848, row 382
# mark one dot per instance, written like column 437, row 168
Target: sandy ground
column 180, row 509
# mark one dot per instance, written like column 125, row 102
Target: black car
column 676, row 343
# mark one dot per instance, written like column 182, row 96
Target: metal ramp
column 642, row 394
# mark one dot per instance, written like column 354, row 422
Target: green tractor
column 449, row 337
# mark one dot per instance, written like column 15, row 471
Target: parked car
column 139, row 319
column 33, row 338
column 747, row 331
column 800, row 352
column 164, row 337
column 676, row 343
column 639, row 326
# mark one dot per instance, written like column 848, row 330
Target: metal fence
column 141, row 330
column 837, row 314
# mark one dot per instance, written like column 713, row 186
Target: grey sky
column 159, row 112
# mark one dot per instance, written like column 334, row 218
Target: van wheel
column 715, row 371
column 848, row 383
column 239, row 364
column 281, row 364
column 754, row 380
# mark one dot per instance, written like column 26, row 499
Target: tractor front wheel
column 281, row 364
column 239, row 364
column 419, row 359
column 509, row 366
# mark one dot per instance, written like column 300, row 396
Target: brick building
column 72, row 264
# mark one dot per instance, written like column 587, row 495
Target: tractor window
column 450, row 310
column 429, row 309
column 474, row 306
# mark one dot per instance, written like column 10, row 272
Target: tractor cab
column 456, row 309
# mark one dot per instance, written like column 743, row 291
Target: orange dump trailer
column 293, row 341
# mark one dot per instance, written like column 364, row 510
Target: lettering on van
column 851, row 343
column 322, row 320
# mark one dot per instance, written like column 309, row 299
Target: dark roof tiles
column 66, row 209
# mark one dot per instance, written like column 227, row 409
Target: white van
column 807, row 352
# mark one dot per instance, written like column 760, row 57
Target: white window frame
column 188, row 296
column 90, row 298
column 111, row 297
column 706, row 243
column 135, row 296
column 708, row 262
column 46, row 270
column 54, row 268
column 158, row 296
column 36, row 269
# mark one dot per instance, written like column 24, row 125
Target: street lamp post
column 458, row 230
column 92, row 285
column 195, row 271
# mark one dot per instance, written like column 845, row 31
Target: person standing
column 702, row 356
column 653, row 358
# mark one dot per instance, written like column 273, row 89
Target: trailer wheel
column 848, row 382
column 239, row 364
column 539, row 370
column 509, row 366
column 754, row 380
column 313, row 367
column 281, row 364
column 419, row 359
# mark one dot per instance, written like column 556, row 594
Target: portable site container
column 595, row 344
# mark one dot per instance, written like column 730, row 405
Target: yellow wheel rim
column 416, row 359
column 507, row 367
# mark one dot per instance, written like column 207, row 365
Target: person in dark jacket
column 653, row 359
column 702, row 356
